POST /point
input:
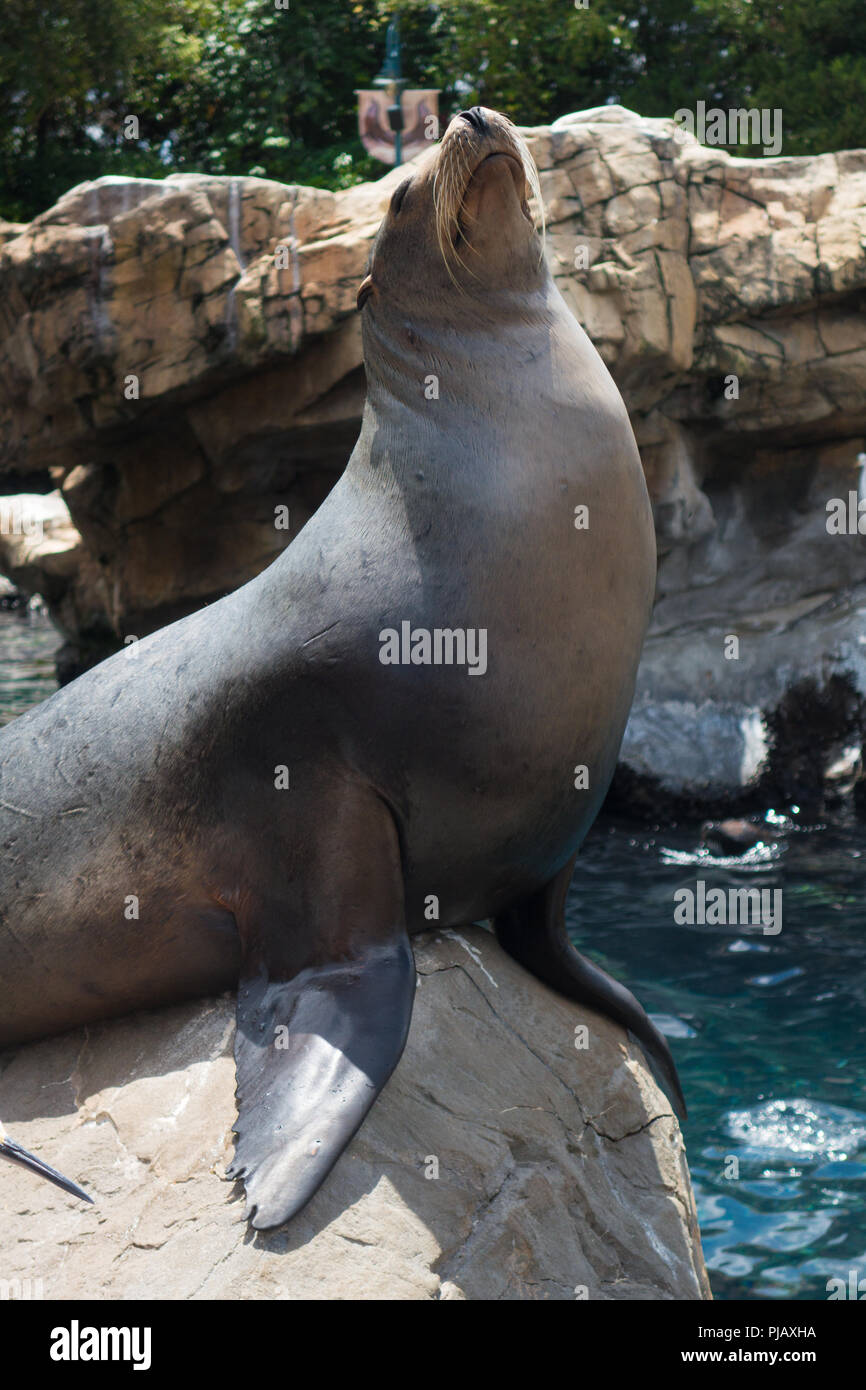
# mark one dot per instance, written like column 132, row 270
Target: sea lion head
column 459, row 224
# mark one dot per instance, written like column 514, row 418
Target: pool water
column 28, row 642
column 769, row 1031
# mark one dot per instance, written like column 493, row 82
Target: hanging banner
column 420, row 122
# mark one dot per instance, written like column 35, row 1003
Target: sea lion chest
column 485, row 617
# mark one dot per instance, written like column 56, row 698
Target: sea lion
column 379, row 731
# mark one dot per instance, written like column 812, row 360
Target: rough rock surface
column 559, row 1170
column 41, row 552
column 726, row 297
column 176, row 380
column 185, row 357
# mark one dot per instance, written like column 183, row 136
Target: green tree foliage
column 69, row 72
column 241, row 86
column 227, row 86
column 537, row 59
column 808, row 57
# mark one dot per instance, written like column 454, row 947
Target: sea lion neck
column 461, row 358
column 474, row 400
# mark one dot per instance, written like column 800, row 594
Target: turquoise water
column 28, row 642
column 769, row 1031
column 769, row 1035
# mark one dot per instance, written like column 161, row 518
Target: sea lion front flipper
column 313, row 1051
column 533, row 932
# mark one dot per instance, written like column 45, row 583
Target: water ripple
column 805, row 1128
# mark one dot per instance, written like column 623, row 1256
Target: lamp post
column 391, row 79
column 396, row 121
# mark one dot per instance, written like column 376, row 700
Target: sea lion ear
column 365, row 289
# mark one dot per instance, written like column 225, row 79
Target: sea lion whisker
column 23, row 1158
column 533, row 179
column 447, row 221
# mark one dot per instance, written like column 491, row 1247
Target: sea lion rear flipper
column 313, row 1051
column 533, row 932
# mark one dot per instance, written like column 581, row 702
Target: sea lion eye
column 397, row 200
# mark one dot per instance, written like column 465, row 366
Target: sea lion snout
column 472, row 199
column 458, row 226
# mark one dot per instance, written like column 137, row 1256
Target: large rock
column 186, row 357
column 561, row 1173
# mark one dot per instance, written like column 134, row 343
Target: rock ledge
column 558, row 1170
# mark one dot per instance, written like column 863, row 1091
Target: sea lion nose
column 475, row 117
